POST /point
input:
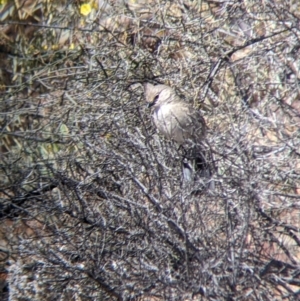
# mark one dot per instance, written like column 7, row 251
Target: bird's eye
column 155, row 98
column 153, row 102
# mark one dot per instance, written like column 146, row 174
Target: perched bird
column 179, row 121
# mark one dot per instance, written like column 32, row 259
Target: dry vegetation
column 92, row 204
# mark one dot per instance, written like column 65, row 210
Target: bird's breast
column 168, row 120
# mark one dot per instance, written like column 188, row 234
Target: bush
column 92, row 202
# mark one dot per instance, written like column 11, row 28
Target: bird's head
column 158, row 95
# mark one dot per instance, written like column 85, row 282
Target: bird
column 179, row 121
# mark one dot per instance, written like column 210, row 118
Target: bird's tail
column 197, row 166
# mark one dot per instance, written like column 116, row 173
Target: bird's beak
column 152, row 103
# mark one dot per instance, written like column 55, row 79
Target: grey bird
column 179, row 121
